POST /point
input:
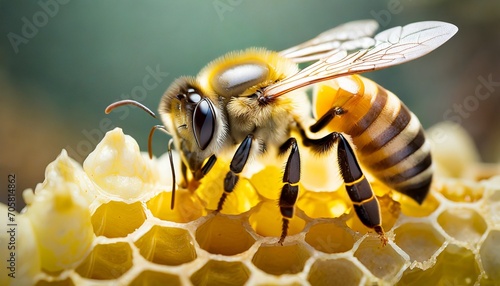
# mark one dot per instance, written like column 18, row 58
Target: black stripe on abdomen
column 401, row 154
column 390, row 132
column 376, row 108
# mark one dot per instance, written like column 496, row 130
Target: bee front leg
column 199, row 174
column 238, row 162
column 192, row 183
column 290, row 189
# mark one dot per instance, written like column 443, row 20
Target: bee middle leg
column 357, row 186
column 290, row 189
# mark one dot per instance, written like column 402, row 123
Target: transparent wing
column 348, row 36
column 392, row 47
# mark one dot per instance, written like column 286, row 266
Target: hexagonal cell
column 334, row 272
column 167, row 246
column 65, row 282
column 329, row 238
column 411, row 208
column 462, row 224
column 117, row 219
column 224, row 235
column 107, row 261
column 278, row 260
column 324, row 204
column 242, row 199
column 419, row 240
column 187, row 206
column 266, row 220
column 467, row 191
column 382, row 261
column 150, row 277
column 221, row 273
column 490, row 253
column 454, row 266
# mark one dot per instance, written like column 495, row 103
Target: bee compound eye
column 203, row 123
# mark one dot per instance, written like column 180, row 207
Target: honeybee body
column 388, row 137
column 246, row 103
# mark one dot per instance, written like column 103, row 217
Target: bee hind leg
column 290, row 189
column 357, row 186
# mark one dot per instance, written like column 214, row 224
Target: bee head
column 192, row 119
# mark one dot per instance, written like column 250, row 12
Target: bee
column 247, row 103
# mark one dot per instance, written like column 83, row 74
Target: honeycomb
column 109, row 222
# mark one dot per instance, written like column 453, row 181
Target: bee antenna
column 129, row 102
column 150, row 138
column 171, row 159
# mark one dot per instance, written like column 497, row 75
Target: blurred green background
column 63, row 62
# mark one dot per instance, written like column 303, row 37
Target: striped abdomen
column 389, row 140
